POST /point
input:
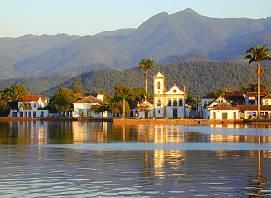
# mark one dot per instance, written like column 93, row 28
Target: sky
column 88, row 17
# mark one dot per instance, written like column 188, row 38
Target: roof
column 243, row 108
column 267, row 97
column 30, row 98
column 255, row 94
column 89, row 99
column 209, row 96
column 224, row 107
column 159, row 75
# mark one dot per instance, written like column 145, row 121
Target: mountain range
column 166, row 38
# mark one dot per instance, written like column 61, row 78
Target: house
column 29, row 107
column 83, row 108
column 251, row 98
column 203, row 104
column 145, row 109
column 266, row 100
column 208, row 105
column 251, row 111
column 224, row 111
column 168, row 103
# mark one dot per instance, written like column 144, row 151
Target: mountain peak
column 188, row 11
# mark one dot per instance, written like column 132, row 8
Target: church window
column 169, row 103
column 180, row 102
column 159, row 103
column 158, row 85
column 175, row 104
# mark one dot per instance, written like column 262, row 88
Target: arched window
column 158, row 103
column 158, row 85
column 175, row 104
column 180, row 102
column 169, row 103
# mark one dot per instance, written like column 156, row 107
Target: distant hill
column 183, row 36
column 198, row 77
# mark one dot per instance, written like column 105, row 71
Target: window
column 175, row 104
column 169, row 103
column 180, row 102
column 158, row 103
column 174, row 91
column 159, row 111
column 158, row 85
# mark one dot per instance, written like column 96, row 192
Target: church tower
column 159, row 84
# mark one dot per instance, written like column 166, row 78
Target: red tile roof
column 89, row 99
column 224, row 107
column 243, row 108
column 267, row 97
column 30, row 98
column 255, row 94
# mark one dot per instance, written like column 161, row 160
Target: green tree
column 253, row 87
column 100, row 108
column 62, row 100
column 77, row 86
column 258, row 54
column 146, row 65
column 11, row 94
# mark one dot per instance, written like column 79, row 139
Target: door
column 175, row 113
column 234, row 115
column 146, row 114
column 214, row 115
column 14, row 114
column 224, row 116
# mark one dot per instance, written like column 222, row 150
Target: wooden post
column 123, row 108
column 259, row 88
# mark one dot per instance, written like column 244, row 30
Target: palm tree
column 145, row 65
column 258, row 54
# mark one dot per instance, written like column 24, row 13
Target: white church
column 167, row 103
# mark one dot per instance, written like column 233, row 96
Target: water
column 74, row 159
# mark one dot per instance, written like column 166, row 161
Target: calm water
column 69, row 159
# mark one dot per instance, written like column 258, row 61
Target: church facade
column 168, row 103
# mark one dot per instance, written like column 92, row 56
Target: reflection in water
column 31, row 169
column 67, row 132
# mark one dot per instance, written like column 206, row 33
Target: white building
column 168, row 103
column 145, row 109
column 29, row 107
column 266, row 100
column 203, row 104
column 207, row 104
column 251, row 111
column 224, row 112
column 83, row 108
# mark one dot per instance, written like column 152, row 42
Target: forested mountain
column 166, row 38
column 199, row 77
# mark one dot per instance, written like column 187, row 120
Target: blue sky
column 83, row 17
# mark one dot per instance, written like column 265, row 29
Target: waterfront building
column 83, row 108
column 251, row 111
column 224, row 111
column 266, row 100
column 29, row 107
column 168, row 103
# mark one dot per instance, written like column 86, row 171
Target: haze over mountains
column 183, row 36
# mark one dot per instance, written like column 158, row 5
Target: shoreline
column 141, row 121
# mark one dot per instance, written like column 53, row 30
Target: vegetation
column 62, row 100
column 258, row 54
column 146, row 65
column 7, row 95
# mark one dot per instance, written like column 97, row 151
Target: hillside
column 167, row 38
column 199, row 77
